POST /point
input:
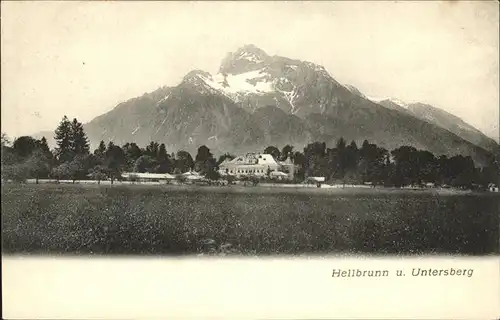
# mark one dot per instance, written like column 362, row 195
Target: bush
column 133, row 178
column 16, row 172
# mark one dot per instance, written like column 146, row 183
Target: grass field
column 79, row 219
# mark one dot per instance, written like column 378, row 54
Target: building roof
column 226, row 161
column 254, row 158
column 147, row 175
column 191, row 173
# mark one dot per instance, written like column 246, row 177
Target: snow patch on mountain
column 165, row 98
column 429, row 117
column 250, row 57
column 136, row 129
column 290, row 97
column 233, row 85
column 162, row 123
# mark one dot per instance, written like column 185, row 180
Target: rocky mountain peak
column 250, row 49
column 194, row 75
column 196, row 79
column 247, row 58
column 256, row 100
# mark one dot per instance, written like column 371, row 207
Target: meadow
column 185, row 220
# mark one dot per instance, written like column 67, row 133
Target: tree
column 212, row 175
column 16, row 172
column 462, row 171
column 163, row 159
column 300, row 161
column 44, row 147
column 144, row 163
column 63, row 137
column 316, row 163
column 24, row 146
column 38, row 165
column 162, row 152
column 5, row 140
column 351, row 177
column 152, row 149
column 272, row 150
column 287, row 152
column 335, row 164
column 205, row 162
column 406, row 165
column 132, row 153
column 114, row 160
column 184, row 162
column 427, row 166
column 372, row 163
column 101, row 149
column 351, row 157
column 99, row 173
column 79, row 167
column 79, row 141
column 9, row 157
column 341, row 144
column 62, row 171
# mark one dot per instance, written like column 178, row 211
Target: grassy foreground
column 79, row 219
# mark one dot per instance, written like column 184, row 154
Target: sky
column 80, row 59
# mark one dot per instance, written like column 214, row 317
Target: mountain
column 442, row 119
column 256, row 100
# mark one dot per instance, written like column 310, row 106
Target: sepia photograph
column 240, row 129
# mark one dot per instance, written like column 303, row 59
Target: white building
column 258, row 164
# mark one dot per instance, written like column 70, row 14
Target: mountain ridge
column 257, row 100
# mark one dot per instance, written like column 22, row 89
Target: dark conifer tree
column 101, row 149
column 114, row 161
column 205, row 162
column 163, row 159
column 79, row 141
column 152, row 149
column 63, row 137
column 44, row 146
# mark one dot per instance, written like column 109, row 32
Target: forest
column 27, row 157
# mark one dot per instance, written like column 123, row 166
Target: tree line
column 403, row 166
column 72, row 159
